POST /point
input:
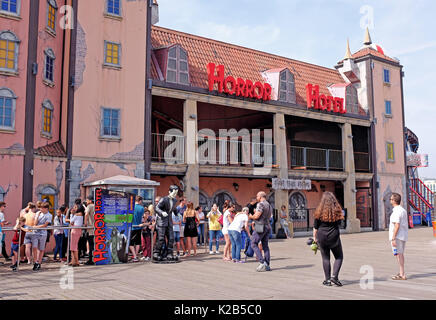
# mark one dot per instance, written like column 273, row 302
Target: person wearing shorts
column 135, row 239
column 398, row 232
column 177, row 221
column 43, row 218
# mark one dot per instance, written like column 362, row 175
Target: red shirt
column 16, row 235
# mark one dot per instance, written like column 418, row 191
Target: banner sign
column 113, row 224
column 417, row 160
column 290, row 184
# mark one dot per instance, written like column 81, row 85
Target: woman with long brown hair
column 326, row 233
column 191, row 220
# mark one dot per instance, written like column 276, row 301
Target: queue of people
column 252, row 222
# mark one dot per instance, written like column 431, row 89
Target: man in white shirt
column 398, row 233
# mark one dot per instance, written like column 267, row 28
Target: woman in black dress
column 191, row 220
column 326, row 233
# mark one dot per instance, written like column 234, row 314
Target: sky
column 316, row 31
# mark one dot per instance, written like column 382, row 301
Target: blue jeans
column 58, row 249
column 214, row 234
column 263, row 238
column 201, row 233
column 235, row 238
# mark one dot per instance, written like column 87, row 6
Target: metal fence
column 303, row 219
column 168, row 148
column 315, row 158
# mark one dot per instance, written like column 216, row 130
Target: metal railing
column 303, row 219
column 362, row 162
column 235, row 152
column 168, row 148
column 315, row 158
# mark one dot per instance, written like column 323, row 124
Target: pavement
column 296, row 274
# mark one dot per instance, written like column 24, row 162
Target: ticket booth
column 142, row 187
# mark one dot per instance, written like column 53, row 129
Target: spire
column 367, row 40
column 348, row 51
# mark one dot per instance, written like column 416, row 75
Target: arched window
column 220, row 197
column 352, row 100
column 177, row 66
column 52, row 8
column 47, row 117
column 204, row 202
column 49, row 65
column 9, row 44
column 287, row 87
column 7, row 109
column 297, row 206
column 48, row 193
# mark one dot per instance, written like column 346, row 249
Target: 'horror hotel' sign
column 290, row 184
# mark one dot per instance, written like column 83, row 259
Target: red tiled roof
column 54, row 149
column 241, row 62
column 369, row 51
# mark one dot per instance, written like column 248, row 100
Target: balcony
column 170, row 149
column 361, row 162
column 316, row 159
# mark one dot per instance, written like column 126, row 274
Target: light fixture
column 193, row 116
column 236, row 186
column 282, row 127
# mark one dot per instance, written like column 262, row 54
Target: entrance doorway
column 363, row 207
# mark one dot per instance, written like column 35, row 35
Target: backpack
column 220, row 220
column 281, row 234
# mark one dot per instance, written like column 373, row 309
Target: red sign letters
column 238, row 87
column 322, row 102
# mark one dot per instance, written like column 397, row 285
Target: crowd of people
column 243, row 229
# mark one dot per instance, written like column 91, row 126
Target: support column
column 281, row 196
column 190, row 129
column 353, row 224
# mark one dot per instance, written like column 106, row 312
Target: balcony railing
column 361, row 162
column 235, row 152
column 168, row 148
column 316, row 159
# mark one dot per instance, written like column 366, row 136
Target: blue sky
column 316, row 31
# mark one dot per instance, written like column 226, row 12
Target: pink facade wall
column 98, row 86
column 12, row 184
column 43, row 91
column 17, row 83
column 391, row 175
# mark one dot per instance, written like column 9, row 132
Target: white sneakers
column 210, row 252
column 217, row 252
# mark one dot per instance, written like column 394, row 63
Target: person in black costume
column 164, row 225
column 326, row 233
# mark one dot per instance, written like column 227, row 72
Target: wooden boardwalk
column 296, row 274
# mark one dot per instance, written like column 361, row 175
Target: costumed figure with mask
column 164, row 225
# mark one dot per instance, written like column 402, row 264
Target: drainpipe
column 148, row 97
column 29, row 126
column 70, row 108
column 405, row 201
column 375, row 214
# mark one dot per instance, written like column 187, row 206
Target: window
column 114, row 7
column 47, row 117
column 390, row 152
column 352, row 100
column 110, row 124
column 388, row 109
column 8, row 51
column 112, row 54
column 7, row 109
column 386, row 76
column 49, row 65
column 10, row 7
column 2, row 194
column 51, row 15
column 48, row 194
column 287, row 87
column 177, row 67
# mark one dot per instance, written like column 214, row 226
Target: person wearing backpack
column 262, row 228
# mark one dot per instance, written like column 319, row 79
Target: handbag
column 259, row 226
column 220, row 220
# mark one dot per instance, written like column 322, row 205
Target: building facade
column 226, row 121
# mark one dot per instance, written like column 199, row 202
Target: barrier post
column 19, row 249
column 68, row 246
